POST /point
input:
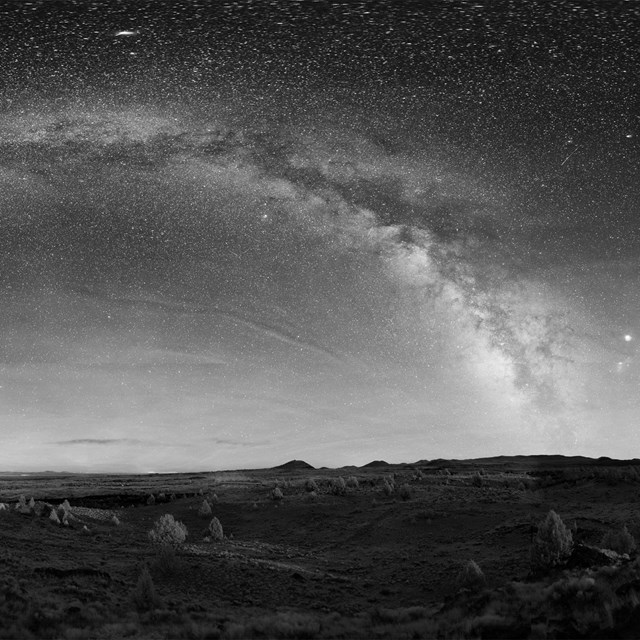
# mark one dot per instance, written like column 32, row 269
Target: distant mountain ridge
column 503, row 462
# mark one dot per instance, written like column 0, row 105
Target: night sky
column 236, row 233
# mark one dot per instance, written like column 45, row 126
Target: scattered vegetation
column 66, row 594
column 277, row 494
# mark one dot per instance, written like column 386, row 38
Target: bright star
column 628, row 338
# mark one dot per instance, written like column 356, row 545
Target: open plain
column 379, row 553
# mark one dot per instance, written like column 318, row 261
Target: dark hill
column 375, row 463
column 294, row 465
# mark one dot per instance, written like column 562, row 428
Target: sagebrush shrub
column 277, row 494
column 388, row 487
column 215, row 530
column 151, row 499
column 338, row 486
column 471, row 577
column 167, row 530
column 620, row 541
column 352, row 482
column 553, row 542
column 166, row 562
column 311, row 485
column 145, row 597
column 405, row 492
column 205, row 509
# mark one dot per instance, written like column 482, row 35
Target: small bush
column 205, row 509
column 388, row 487
column 167, row 530
column 405, row 492
column 151, row 499
column 277, row 494
column 213, row 499
column 553, row 543
column 476, row 480
column 338, row 486
column 114, row 520
column 311, row 485
column 145, row 597
column 166, row 562
column 215, row 530
column 471, row 577
column 620, row 541
column 53, row 516
column 352, row 482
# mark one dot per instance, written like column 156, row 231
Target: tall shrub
column 167, row 530
column 553, row 543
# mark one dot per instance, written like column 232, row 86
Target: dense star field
column 233, row 234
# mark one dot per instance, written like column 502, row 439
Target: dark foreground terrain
column 379, row 557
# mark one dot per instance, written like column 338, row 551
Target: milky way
column 235, row 234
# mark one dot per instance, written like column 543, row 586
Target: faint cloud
column 99, row 441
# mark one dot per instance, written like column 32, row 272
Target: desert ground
column 382, row 553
